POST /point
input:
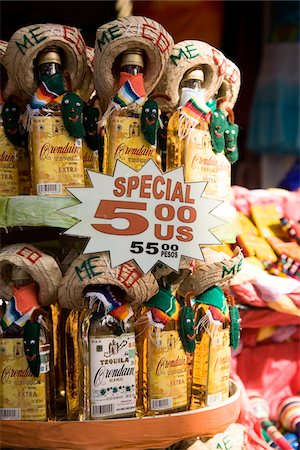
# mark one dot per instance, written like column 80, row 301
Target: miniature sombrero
column 27, row 42
column 42, row 267
column 230, row 86
column 88, row 86
column 95, row 268
column 185, row 56
column 125, row 33
column 217, row 269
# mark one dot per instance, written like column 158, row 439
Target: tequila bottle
column 162, row 361
column 211, row 365
column 192, row 148
column 56, row 155
column 107, row 387
column 124, row 139
column 24, row 393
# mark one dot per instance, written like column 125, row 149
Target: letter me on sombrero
column 95, row 268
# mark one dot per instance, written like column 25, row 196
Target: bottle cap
column 49, row 55
column 194, row 74
column 132, row 57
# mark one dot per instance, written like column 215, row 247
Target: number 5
column 137, row 224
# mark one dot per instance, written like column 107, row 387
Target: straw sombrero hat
column 88, row 86
column 217, row 269
column 187, row 55
column 27, row 42
column 230, row 86
column 115, row 37
column 95, row 268
column 42, row 267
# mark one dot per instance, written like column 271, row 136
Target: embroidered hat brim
column 42, row 267
column 185, row 56
column 113, row 38
column 217, row 269
column 26, row 43
column 95, row 268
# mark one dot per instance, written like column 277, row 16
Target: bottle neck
column 47, row 70
column 132, row 69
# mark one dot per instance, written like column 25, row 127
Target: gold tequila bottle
column 56, row 156
column 107, row 387
column 22, row 395
column 163, row 386
column 211, row 365
column 196, row 154
column 123, row 139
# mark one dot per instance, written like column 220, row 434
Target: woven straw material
column 126, row 33
column 95, row 268
column 27, row 42
column 42, row 267
column 217, row 269
column 185, row 56
column 88, row 85
column 231, row 86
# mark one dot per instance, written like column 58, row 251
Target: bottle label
column 9, row 180
column 167, row 371
column 57, row 157
column 24, row 171
column 112, row 375
column 22, row 396
column 127, row 144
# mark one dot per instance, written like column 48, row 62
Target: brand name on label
column 47, row 150
column 165, row 364
column 123, row 150
column 198, row 160
column 103, row 373
column 8, row 373
column 7, row 157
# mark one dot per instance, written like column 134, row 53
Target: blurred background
column 260, row 37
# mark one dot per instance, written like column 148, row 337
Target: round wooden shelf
column 123, row 434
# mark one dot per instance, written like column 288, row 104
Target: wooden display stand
column 123, row 434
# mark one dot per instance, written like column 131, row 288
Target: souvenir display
column 141, row 326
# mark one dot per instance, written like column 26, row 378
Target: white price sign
column 148, row 216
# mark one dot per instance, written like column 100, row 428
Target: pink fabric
column 267, row 318
column 271, row 370
column 247, row 294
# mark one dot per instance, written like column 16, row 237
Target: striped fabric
column 127, row 94
column 13, row 315
column 43, row 96
column 195, row 112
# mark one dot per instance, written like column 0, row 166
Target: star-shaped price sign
column 148, row 216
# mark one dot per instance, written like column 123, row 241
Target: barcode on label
column 10, row 414
column 163, row 403
column 49, row 188
column 212, row 399
column 99, row 410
